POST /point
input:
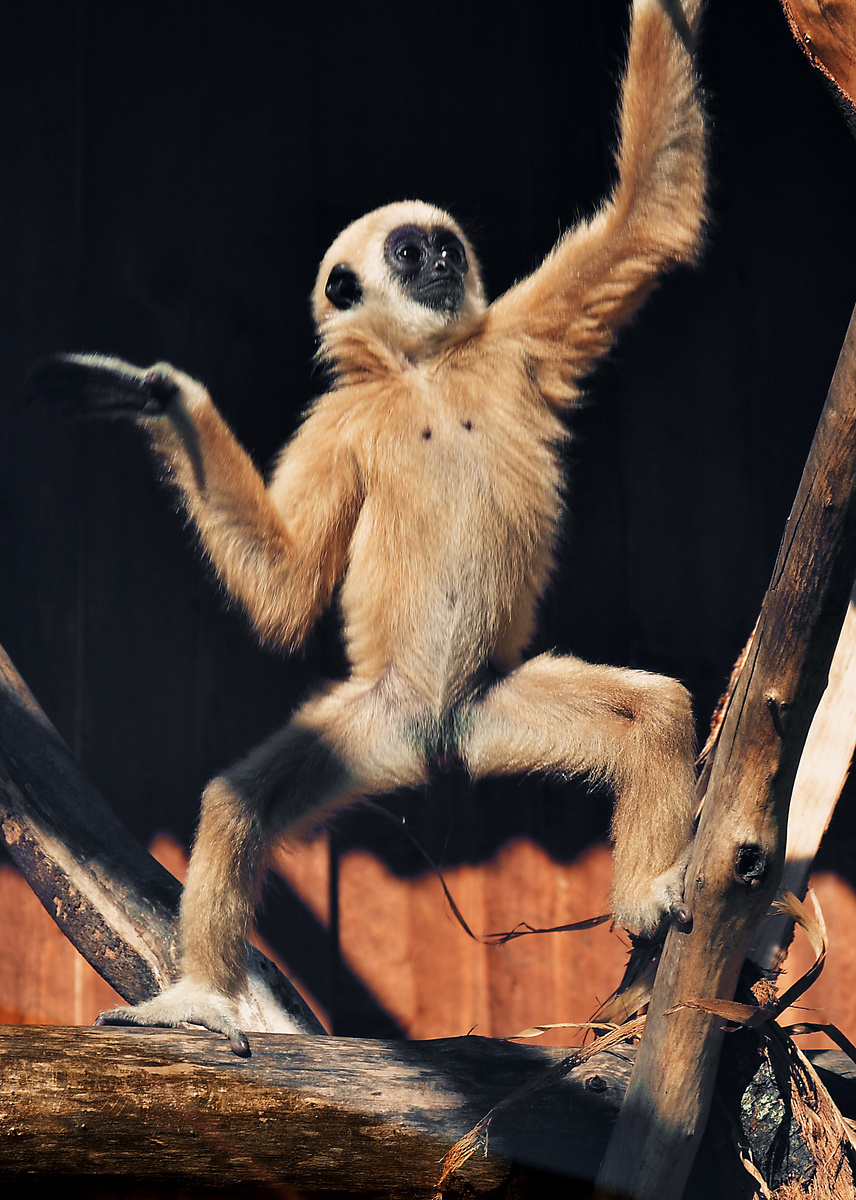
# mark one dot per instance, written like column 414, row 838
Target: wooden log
column 163, row 1111
column 105, row 892
column 827, row 34
column 737, row 858
column 310, row 1113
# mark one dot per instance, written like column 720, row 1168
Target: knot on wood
column 750, row 865
column 776, row 708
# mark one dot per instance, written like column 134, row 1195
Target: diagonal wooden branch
column 105, row 892
column 737, row 858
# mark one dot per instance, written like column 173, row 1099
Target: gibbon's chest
column 461, row 489
column 457, row 440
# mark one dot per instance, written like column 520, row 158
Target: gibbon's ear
column 343, row 288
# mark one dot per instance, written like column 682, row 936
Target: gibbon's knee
column 630, row 728
column 342, row 744
column 563, row 714
column 287, row 781
column 655, row 804
column 653, row 767
column 659, row 714
column 292, row 776
column 667, row 707
column 374, row 727
column 353, row 739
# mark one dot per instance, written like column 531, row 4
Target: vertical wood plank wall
column 398, row 938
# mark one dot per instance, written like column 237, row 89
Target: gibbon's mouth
column 443, row 294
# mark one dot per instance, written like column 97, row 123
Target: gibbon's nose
column 440, row 264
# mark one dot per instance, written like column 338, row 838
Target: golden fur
column 427, row 484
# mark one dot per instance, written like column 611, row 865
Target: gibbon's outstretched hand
column 88, row 385
column 427, row 484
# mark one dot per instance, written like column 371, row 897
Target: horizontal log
column 312, row 1113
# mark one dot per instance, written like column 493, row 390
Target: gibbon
column 426, row 485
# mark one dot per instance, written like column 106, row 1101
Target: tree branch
column 737, row 857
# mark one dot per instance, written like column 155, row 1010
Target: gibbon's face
column 404, row 273
column 429, row 264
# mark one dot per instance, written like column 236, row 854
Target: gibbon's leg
column 355, row 739
column 631, row 728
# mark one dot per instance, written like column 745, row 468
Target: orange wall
column 400, row 939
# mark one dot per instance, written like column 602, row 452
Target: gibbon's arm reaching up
column 279, row 551
column 567, row 313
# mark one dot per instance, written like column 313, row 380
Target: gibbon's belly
column 446, row 551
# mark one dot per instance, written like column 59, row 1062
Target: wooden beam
column 162, row 1111
column 105, row 892
column 310, row 1113
column 738, row 853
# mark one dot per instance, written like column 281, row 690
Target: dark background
column 169, row 180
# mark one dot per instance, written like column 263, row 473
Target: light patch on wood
column 822, row 773
column 825, row 763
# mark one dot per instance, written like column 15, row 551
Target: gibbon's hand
column 185, row 1003
column 88, row 385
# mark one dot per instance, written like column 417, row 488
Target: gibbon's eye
column 343, row 287
column 405, row 250
column 451, row 249
column 408, row 252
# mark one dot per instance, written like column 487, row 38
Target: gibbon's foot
column 88, row 385
column 645, row 910
column 184, row 1003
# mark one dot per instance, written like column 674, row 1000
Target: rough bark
column 313, row 1113
column 161, row 1111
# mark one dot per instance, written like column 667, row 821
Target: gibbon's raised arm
column 566, row 314
column 279, row 550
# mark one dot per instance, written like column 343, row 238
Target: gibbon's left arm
column 566, row 314
column 279, row 550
